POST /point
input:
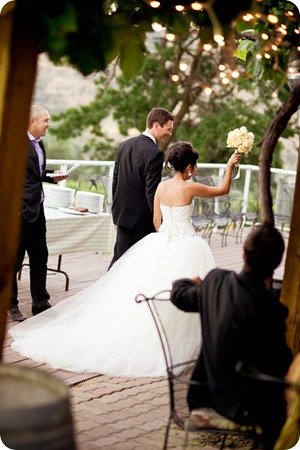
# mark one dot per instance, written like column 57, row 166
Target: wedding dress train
column 102, row 329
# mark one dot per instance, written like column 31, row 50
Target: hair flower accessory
column 242, row 140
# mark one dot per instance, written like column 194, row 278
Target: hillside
column 61, row 87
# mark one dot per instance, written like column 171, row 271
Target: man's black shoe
column 38, row 309
column 15, row 314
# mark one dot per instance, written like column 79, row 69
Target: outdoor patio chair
column 220, row 217
column 250, row 216
column 201, row 216
column 179, row 380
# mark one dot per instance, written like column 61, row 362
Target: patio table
column 77, row 233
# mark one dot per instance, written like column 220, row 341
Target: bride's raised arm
column 201, row 190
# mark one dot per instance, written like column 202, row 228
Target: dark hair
column 160, row 115
column 181, row 154
column 263, row 249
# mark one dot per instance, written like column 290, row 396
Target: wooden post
column 18, row 63
column 290, row 293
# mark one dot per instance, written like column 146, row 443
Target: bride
column 102, row 329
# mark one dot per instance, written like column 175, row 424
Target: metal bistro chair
column 201, row 216
column 179, row 380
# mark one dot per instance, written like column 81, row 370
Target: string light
column 235, row 74
column 197, row 6
column 208, row 90
column 218, row 38
column 155, row 4
column 183, row 66
column 258, row 56
column 170, row 37
column 207, row 47
column 272, row 19
column 267, row 56
column 225, row 81
column 175, row 78
column 222, row 67
column 179, row 8
column 247, row 17
column 282, row 30
column 264, row 36
column 222, row 75
column 274, row 47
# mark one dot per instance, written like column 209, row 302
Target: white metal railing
column 244, row 183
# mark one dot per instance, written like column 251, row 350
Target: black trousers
column 32, row 239
column 126, row 238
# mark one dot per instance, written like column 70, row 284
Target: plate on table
column 73, row 211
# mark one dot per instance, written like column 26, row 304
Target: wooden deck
column 83, row 270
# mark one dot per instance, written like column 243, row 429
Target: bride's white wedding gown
column 102, row 329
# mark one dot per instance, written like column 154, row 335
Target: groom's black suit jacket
column 137, row 173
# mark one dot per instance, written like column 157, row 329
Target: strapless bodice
column 177, row 220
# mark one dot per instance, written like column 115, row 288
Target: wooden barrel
column 35, row 412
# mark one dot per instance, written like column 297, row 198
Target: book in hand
column 55, row 175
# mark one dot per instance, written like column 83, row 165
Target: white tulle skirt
column 102, row 329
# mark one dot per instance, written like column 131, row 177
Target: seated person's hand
column 197, row 280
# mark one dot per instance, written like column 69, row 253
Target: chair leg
column 186, row 434
column 167, row 435
column 223, row 441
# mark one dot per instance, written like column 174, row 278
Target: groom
column 137, row 172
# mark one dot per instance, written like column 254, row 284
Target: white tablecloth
column 70, row 233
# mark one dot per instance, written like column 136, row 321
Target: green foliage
column 205, row 120
column 91, row 34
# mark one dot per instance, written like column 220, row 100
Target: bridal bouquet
column 242, row 140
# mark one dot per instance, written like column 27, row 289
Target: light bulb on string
column 179, row 8
column 197, row 6
column 207, row 47
column 207, row 90
column 272, row 18
column 183, row 66
column 225, row 80
column 155, row 4
column 218, row 38
column 170, row 37
column 235, row 74
column 175, row 78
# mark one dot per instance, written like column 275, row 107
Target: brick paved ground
column 120, row 413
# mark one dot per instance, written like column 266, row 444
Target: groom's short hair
column 160, row 115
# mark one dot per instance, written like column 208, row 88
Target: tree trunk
column 18, row 63
column 290, row 293
column 275, row 130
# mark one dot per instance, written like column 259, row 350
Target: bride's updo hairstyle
column 181, row 154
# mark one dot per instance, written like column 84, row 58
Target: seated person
column 241, row 321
